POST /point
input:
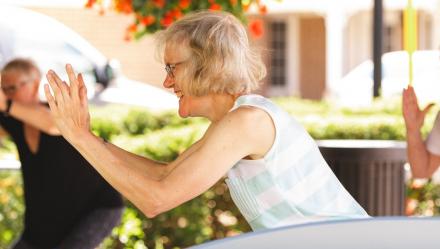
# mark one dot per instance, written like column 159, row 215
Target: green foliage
column 139, row 122
column 423, row 197
column 212, row 215
column 11, row 207
column 104, row 128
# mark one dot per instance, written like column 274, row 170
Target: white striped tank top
column 292, row 184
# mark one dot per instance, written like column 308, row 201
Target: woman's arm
column 228, row 141
column 423, row 163
column 191, row 174
column 36, row 115
column 156, row 170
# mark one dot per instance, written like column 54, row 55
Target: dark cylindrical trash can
column 371, row 170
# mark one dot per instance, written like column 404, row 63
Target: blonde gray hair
column 22, row 65
column 221, row 60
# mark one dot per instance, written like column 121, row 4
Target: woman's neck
column 220, row 105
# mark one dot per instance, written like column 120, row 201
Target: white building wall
column 334, row 27
column 293, row 84
column 358, row 40
column 436, row 27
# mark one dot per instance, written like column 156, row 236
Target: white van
column 29, row 34
column 356, row 87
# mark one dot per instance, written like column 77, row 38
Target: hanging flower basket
column 153, row 15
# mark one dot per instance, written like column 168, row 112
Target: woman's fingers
column 62, row 85
column 427, row 108
column 51, row 100
column 82, row 91
column 410, row 97
column 57, row 91
column 73, row 83
column 68, row 103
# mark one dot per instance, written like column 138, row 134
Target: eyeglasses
column 13, row 88
column 171, row 67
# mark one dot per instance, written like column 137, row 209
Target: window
column 278, row 61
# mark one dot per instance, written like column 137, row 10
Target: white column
column 436, row 28
column 334, row 29
column 292, row 57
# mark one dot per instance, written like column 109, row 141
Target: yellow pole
column 410, row 35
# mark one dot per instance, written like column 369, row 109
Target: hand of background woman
column 68, row 104
column 412, row 114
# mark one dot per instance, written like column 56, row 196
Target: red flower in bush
column 176, row 14
column 215, row 6
column 124, row 6
column 166, row 21
column 148, row 20
column 149, row 12
column 132, row 28
column 183, row 4
column 159, row 3
column 256, row 28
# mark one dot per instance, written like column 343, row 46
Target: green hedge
column 212, row 215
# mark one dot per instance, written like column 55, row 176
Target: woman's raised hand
column 68, row 104
column 412, row 114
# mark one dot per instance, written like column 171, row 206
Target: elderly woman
column 276, row 174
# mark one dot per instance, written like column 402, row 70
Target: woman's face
column 19, row 87
column 175, row 58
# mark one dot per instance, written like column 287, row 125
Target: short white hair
column 221, row 60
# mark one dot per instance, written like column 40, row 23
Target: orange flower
column 148, row 20
column 168, row 14
column 183, row 4
column 215, row 6
column 411, row 206
column 132, row 28
column 233, row 2
column 246, row 7
column 166, row 21
column 124, row 6
column 256, row 28
column 176, row 13
column 263, row 9
column 159, row 3
column 90, row 3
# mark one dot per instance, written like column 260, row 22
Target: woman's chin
column 183, row 113
column 183, row 110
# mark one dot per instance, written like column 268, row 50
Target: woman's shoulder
column 249, row 113
column 251, row 99
column 250, row 119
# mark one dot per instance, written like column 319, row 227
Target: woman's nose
column 168, row 82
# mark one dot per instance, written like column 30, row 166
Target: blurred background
column 320, row 56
